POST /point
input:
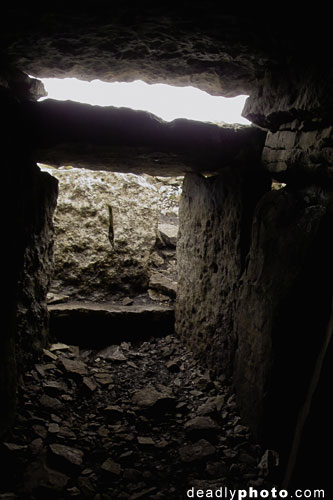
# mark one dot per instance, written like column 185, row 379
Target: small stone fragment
column 55, row 387
column 219, row 401
column 111, row 467
column 112, row 353
column 207, row 408
column 203, row 427
column 132, row 365
column 49, row 354
column 241, row 429
column 53, row 428
column 66, row 397
column 54, row 298
column 49, row 402
column 40, row 431
column 74, row 367
column 41, row 369
column 162, row 444
column 216, row 469
column 182, row 407
column 196, row 393
column 269, row 461
column 163, row 284
column 104, row 378
column 198, row 451
column 36, row 446
column 66, row 432
column 74, row 491
column 145, row 441
column 87, row 472
column 55, row 418
column 230, row 453
column 89, row 384
column 70, row 455
column 157, row 296
column 168, row 234
column 149, row 397
column 127, row 301
column 113, row 411
column 59, row 347
column 15, row 447
column 86, row 487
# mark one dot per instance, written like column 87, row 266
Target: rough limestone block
column 105, row 231
column 297, row 152
column 27, row 233
column 215, row 219
column 283, row 309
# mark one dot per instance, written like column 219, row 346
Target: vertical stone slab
column 26, row 198
column 215, row 219
column 27, row 256
column 282, row 310
column 39, row 202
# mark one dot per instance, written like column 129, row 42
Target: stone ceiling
column 193, row 43
column 281, row 59
column 125, row 140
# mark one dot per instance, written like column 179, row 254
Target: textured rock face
column 105, row 233
column 215, row 220
column 300, row 155
column 300, row 95
column 32, row 314
column 27, row 255
column 185, row 45
column 283, row 307
column 256, row 306
column 19, row 85
column 298, row 147
column 191, row 43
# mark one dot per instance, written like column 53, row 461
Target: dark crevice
column 111, row 227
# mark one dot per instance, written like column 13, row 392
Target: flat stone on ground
column 70, row 455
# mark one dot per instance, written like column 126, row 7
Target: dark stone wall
column 283, row 308
column 32, row 315
column 254, row 291
column 27, row 235
column 296, row 107
column 29, row 198
column 214, row 236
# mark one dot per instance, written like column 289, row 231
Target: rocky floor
column 133, row 421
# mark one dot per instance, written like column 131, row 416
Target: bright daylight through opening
column 162, row 100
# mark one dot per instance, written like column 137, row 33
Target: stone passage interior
column 228, row 387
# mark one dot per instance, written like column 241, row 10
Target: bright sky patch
column 162, row 100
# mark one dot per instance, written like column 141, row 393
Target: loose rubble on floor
column 132, row 421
